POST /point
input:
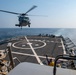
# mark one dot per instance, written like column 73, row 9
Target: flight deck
column 35, row 48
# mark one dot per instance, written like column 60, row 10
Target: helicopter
column 22, row 18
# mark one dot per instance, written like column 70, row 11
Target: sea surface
column 6, row 33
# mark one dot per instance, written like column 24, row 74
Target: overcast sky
column 61, row 13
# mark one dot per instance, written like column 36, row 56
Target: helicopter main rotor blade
column 38, row 15
column 10, row 12
column 31, row 9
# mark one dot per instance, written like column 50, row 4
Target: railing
column 62, row 57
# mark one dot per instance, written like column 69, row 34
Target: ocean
column 6, row 33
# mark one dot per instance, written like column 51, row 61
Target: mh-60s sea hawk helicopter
column 23, row 19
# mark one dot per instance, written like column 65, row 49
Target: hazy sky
column 61, row 13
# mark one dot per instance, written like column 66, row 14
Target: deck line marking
column 64, row 52
column 25, row 54
column 39, row 61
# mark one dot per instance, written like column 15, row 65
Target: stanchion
column 10, row 54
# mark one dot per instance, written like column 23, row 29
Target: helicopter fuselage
column 23, row 21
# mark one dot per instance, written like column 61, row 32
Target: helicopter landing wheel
column 17, row 25
column 28, row 25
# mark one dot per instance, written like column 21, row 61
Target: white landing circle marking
column 44, row 44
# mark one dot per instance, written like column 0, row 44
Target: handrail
column 62, row 57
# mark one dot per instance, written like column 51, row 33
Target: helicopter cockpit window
column 26, row 18
column 23, row 19
column 20, row 18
